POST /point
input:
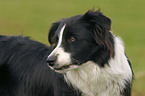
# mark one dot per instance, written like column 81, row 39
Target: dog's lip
column 60, row 68
column 63, row 67
column 66, row 68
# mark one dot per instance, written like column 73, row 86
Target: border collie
column 91, row 58
column 87, row 60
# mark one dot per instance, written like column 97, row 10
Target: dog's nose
column 51, row 60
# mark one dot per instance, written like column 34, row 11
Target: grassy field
column 34, row 17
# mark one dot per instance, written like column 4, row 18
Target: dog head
column 80, row 39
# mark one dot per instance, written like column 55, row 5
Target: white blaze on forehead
column 59, row 41
column 63, row 58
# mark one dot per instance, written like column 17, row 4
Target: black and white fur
column 91, row 58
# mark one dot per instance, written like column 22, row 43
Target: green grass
column 34, row 17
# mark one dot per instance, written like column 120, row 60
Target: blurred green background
column 34, row 17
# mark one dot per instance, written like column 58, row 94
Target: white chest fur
column 108, row 81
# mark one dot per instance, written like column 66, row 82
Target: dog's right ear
column 52, row 32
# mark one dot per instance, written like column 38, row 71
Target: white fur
column 108, row 81
column 59, row 41
column 63, row 58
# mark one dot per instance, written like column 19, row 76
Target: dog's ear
column 100, row 25
column 97, row 18
column 52, row 32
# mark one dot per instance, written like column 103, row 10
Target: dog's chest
column 93, row 81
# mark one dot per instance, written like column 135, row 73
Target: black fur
column 24, row 71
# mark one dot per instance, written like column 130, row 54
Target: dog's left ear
column 97, row 18
column 100, row 25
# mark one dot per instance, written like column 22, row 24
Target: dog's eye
column 72, row 39
column 54, row 44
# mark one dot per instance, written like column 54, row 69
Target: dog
column 84, row 59
column 24, row 70
column 89, row 56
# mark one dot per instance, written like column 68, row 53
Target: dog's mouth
column 75, row 62
column 65, row 68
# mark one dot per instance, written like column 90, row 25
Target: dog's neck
column 92, row 80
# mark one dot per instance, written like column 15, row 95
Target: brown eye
column 72, row 39
column 54, row 44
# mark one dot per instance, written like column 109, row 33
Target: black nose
column 51, row 60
